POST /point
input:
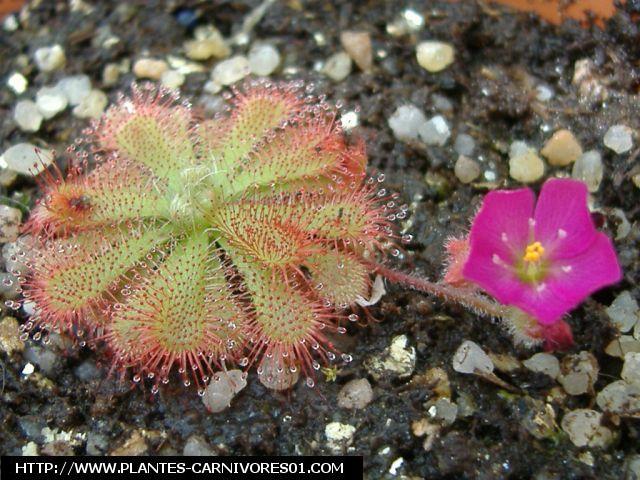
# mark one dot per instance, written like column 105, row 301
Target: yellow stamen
column 533, row 252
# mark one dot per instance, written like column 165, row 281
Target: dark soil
column 494, row 108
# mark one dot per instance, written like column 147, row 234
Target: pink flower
column 545, row 258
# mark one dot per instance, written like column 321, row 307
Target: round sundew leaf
column 339, row 277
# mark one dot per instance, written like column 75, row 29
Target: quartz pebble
column 444, row 411
column 76, row 88
column 338, row 66
column 524, row 163
column 562, row 149
column 150, row 68
column 544, row 93
column 466, row 169
column 26, row 159
column 622, row 345
column 619, row 138
column 435, row 131
column 264, row 58
column 584, row 428
column 207, row 43
column 92, row 105
column 172, row 79
column 406, row 121
column 624, row 311
column 27, row 116
column 231, row 70
column 434, row 56
column 111, row 74
column 358, row 46
column 620, row 397
column 222, row 388
column 51, row 101
column 470, row 358
column 464, row 144
column 10, row 219
column 408, row 21
column 50, row 58
column 578, row 373
column 356, row 394
column 398, row 360
column 339, row 436
column 17, row 82
column 196, row 446
column 631, row 369
column 543, row 363
column 10, row 336
column 589, row 169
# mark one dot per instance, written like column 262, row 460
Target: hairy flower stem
column 470, row 300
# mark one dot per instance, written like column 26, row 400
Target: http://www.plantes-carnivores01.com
column 194, row 244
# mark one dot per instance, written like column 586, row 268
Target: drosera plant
column 193, row 244
column 189, row 245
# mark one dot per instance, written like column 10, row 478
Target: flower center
column 532, row 268
column 533, row 253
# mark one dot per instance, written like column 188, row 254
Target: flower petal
column 498, row 236
column 563, row 221
column 571, row 281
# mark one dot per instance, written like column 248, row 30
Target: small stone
column 76, row 88
column 9, row 286
column 443, row 411
column 135, row 446
column 539, row 418
column 349, row 120
column 51, row 101
column 466, row 169
column 435, row 131
column 222, row 388
column 358, row 46
column 97, row 444
column 10, row 23
column 10, row 336
column 27, row 116
column 578, row 373
column 50, row 58
column 406, row 121
column 464, row 144
column 231, row 70
column 30, row 450
column 543, row 363
column 525, row 165
column 435, row 56
column 338, row 66
column 10, row 219
column 631, row 369
column 150, row 68
column 632, row 467
column 408, row 21
column 624, row 311
column 87, row 371
column 92, row 106
column 196, row 446
column 441, row 103
column 590, row 86
column 208, row 43
column 470, row 358
column 212, row 87
column 544, row 93
column 622, row 345
column 17, row 82
column 172, row 79
column 339, row 436
column 562, row 149
column 110, row 74
column 621, row 398
column 26, row 159
column 589, row 169
column 46, row 359
column 619, row 138
column 397, row 360
column 264, row 58
column 355, row 394
column 585, row 430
